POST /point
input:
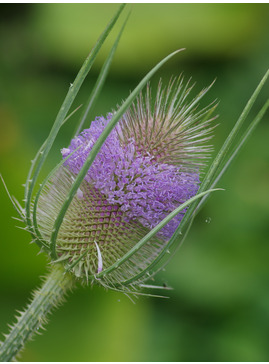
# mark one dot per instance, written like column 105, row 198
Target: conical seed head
column 92, row 229
column 147, row 167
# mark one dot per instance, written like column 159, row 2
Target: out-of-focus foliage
column 219, row 309
column 206, row 30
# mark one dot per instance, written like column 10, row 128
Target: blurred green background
column 219, row 308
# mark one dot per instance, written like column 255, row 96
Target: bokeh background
column 219, row 308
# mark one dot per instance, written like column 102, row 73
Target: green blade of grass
column 99, row 83
column 230, row 139
column 73, row 90
column 82, row 173
column 245, row 137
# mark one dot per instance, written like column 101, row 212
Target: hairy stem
column 50, row 295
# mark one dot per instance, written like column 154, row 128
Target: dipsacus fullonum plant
column 125, row 192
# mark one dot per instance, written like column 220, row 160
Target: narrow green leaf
column 159, row 261
column 82, row 173
column 245, row 137
column 36, row 199
column 99, row 83
column 31, row 224
column 19, row 211
column 73, row 90
column 39, row 153
column 230, row 139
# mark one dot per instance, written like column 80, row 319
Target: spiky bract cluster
column 171, row 130
column 147, row 167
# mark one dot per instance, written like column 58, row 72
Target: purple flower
column 144, row 188
column 148, row 166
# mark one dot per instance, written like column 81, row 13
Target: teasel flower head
column 125, row 190
column 149, row 165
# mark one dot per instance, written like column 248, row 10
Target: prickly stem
column 56, row 284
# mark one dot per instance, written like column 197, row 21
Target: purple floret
column 145, row 190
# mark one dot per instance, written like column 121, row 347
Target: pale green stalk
column 49, row 296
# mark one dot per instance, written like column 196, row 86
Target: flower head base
column 148, row 166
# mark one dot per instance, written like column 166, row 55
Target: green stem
column 50, row 295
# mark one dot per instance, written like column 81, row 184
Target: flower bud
column 148, row 166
